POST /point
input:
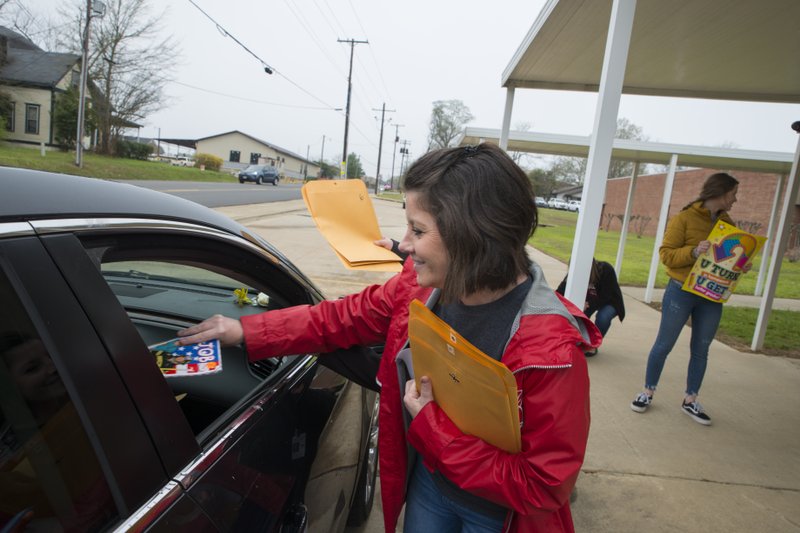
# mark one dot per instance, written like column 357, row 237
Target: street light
column 97, row 9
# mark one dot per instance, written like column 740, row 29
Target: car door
column 75, row 453
column 267, row 446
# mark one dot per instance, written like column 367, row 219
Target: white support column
column 762, row 273
column 507, row 118
column 605, row 125
column 623, row 234
column 781, row 240
column 662, row 224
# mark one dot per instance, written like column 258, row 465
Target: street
column 220, row 194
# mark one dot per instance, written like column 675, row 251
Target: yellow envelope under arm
column 478, row 393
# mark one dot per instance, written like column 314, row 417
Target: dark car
column 260, row 174
column 94, row 437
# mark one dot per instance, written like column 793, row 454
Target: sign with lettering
column 717, row 271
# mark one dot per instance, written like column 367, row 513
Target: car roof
column 32, row 194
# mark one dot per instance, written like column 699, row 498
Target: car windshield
column 253, row 168
column 157, row 270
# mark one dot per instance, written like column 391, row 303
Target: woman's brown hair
column 484, row 208
column 716, row 185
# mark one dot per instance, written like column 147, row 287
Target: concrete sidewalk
column 654, row 472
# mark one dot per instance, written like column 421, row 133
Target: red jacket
column 545, row 353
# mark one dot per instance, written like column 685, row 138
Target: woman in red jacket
column 470, row 213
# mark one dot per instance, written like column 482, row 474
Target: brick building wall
column 751, row 211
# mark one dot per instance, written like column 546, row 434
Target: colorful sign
column 716, row 272
column 190, row 360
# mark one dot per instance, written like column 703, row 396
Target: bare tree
column 609, row 217
column 36, row 27
column 522, row 158
column 573, row 169
column 447, row 119
column 128, row 63
column 639, row 223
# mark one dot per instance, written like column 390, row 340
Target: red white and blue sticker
column 198, row 359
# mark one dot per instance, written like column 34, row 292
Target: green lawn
column 103, row 166
column 556, row 232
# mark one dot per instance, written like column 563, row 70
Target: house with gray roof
column 33, row 79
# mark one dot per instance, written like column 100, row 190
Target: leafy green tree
column 327, row 170
column 65, row 118
column 448, row 118
column 5, row 111
column 544, row 182
column 354, row 168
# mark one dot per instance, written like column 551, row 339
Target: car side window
column 50, row 477
column 166, row 283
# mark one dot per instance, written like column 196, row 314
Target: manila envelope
column 478, row 393
column 343, row 212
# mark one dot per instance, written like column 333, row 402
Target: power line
column 267, row 68
column 308, row 27
column 371, row 51
column 252, row 100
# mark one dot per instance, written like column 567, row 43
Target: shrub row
column 210, row 162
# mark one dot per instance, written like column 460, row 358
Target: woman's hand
column 384, row 242
column 701, row 248
column 416, row 400
column 228, row 330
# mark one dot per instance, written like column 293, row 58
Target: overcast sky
column 418, row 52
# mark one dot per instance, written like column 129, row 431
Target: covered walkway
column 719, row 49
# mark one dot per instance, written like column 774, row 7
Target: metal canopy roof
column 717, row 49
column 720, row 49
column 646, row 152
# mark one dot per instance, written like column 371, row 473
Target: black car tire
column 258, row 181
column 241, row 180
column 275, row 182
column 365, row 489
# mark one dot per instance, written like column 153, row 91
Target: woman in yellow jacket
column 685, row 238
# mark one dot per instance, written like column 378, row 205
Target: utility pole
column 403, row 155
column 305, row 166
column 394, row 152
column 321, row 157
column 380, row 147
column 353, row 43
column 99, row 10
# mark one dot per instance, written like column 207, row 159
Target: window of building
column 234, row 157
column 49, row 473
column 254, row 156
column 32, row 118
column 11, row 118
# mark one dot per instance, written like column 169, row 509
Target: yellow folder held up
column 343, row 212
column 478, row 393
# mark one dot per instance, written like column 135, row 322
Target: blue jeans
column 677, row 306
column 604, row 317
column 428, row 510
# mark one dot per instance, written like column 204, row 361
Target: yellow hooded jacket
column 685, row 231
